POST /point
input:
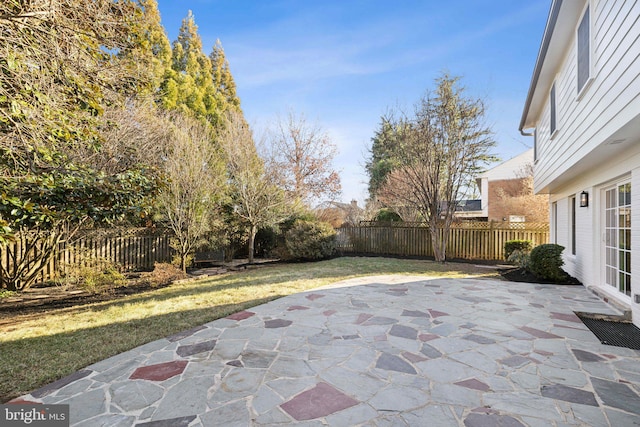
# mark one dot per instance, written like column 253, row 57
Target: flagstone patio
column 375, row 351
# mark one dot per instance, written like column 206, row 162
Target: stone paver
column 376, row 351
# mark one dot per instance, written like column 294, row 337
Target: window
column 552, row 102
column 584, row 51
column 572, row 218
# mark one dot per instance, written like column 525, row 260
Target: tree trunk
column 28, row 257
column 438, row 243
column 184, row 252
column 253, row 230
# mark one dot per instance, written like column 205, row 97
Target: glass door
column 618, row 237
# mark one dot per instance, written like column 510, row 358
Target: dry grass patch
column 40, row 348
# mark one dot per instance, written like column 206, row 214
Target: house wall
column 515, row 167
column 588, row 120
column 587, row 265
column 597, row 142
column 508, row 177
column 635, row 240
column 484, row 198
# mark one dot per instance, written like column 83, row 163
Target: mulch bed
column 41, row 299
column 521, row 275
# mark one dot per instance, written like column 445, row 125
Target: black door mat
column 609, row 332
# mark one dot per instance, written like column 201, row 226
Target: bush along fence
column 467, row 240
column 129, row 252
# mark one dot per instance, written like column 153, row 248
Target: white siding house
column 583, row 106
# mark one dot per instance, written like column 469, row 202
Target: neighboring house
column 469, row 210
column 339, row 214
column 583, row 108
column 507, row 193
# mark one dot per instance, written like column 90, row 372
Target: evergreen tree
column 382, row 161
column 188, row 85
column 154, row 43
column 223, row 80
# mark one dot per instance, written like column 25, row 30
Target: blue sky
column 344, row 64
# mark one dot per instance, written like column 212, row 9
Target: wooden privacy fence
column 128, row 252
column 468, row 240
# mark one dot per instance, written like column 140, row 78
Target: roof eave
column 554, row 12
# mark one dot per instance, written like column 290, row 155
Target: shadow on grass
column 335, row 269
column 30, row 363
column 330, row 270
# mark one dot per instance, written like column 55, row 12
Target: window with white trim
column 552, row 110
column 584, row 50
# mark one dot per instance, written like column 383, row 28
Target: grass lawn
column 36, row 349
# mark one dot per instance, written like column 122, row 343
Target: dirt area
column 46, row 298
column 40, row 299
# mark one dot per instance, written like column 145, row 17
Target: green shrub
column 98, row 276
column 546, row 262
column 524, row 246
column 280, row 249
column 311, row 240
column 4, row 293
column 266, row 241
column 387, row 215
column 100, row 279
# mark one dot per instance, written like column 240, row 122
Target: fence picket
column 129, row 252
column 481, row 241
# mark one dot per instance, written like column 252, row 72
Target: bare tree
column 197, row 183
column 302, row 156
column 132, row 133
column 441, row 148
column 397, row 194
column 516, row 196
column 256, row 197
column 340, row 214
